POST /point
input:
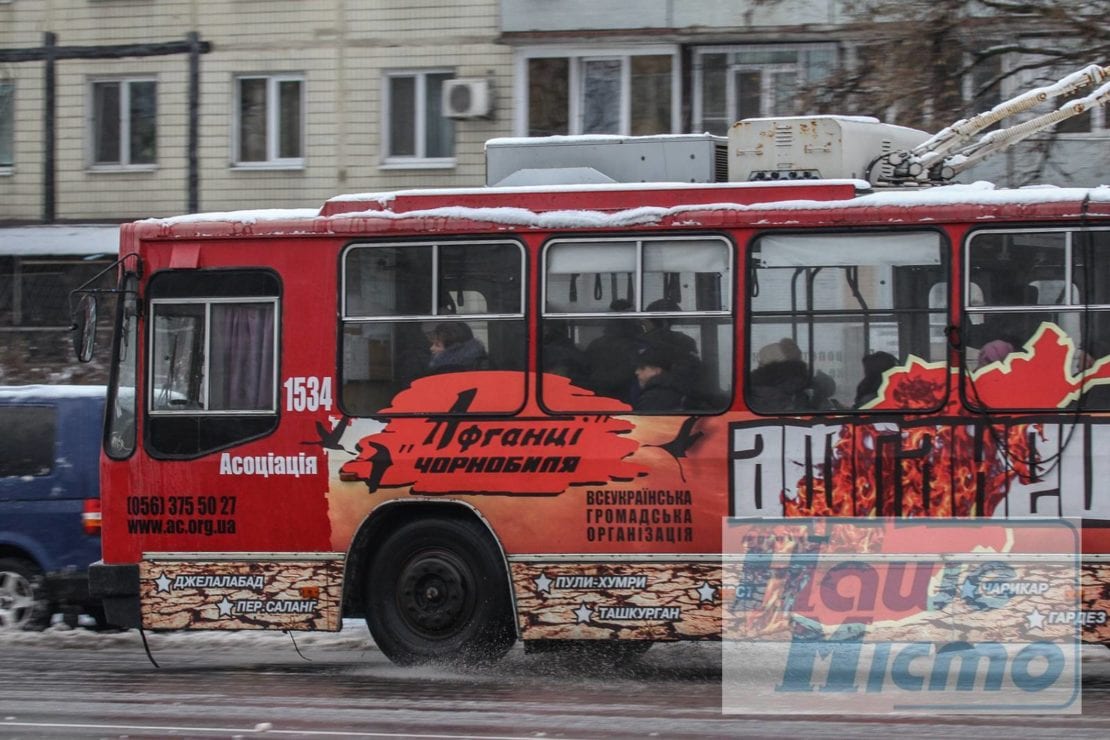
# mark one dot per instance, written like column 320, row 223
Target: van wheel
column 21, row 604
column 437, row 592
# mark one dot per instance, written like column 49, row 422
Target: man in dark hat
column 659, row 390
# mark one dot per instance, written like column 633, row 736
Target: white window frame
column 207, row 303
column 7, row 169
column 433, row 312
column 419, row 160
column 766, row 95
column 273, row 122
column 578, row 55
column 124, row 163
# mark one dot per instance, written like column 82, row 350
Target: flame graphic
column 963, row 466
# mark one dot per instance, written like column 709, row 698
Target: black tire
column 22, row 606
column 437, row 591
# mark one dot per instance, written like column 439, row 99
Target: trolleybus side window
column 1043, row 288
column 213, row 359
column 644, row 321
column 422, row 309
column 831, row 314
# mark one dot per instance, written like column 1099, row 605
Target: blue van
column 49, row 502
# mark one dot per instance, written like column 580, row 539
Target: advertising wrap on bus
column 479, row 416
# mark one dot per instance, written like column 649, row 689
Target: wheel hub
column 433, row 591
column 16, row 600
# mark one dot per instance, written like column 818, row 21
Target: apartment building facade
column 112, row 110
column 293, row 101
column 283, row 103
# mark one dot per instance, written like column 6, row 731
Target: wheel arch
column 24, row 550
column 392, row 514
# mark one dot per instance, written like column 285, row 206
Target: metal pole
column 193, row 185
column 49, row 76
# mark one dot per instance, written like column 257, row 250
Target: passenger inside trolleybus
column 454, row 349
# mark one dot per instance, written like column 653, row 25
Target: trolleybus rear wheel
column 438, row 592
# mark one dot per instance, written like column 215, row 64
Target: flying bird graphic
column 682, row 443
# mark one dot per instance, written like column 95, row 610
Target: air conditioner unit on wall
column 467, row 98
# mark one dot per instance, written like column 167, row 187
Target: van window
column 31, row 451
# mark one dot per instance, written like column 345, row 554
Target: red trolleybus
column 521, row 412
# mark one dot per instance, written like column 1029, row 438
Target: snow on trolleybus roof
column 614, row 206
column 806, row 169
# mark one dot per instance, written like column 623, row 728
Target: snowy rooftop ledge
column 71, row 239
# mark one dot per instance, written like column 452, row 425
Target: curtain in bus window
column 242, row 363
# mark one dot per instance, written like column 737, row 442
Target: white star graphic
column 163, row 582
column 584, row 613
column 543, row 584
column 224, row 606
column 706, row 592
column 1036, row 620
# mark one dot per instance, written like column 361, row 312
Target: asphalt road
column 78, row 684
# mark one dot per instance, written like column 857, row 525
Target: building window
column 269, row 120
column 734, row 83
column 619, row 93
column 124, row 130
column 415, row 127
column 7, row 125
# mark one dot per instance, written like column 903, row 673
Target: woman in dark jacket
column 455, row 349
